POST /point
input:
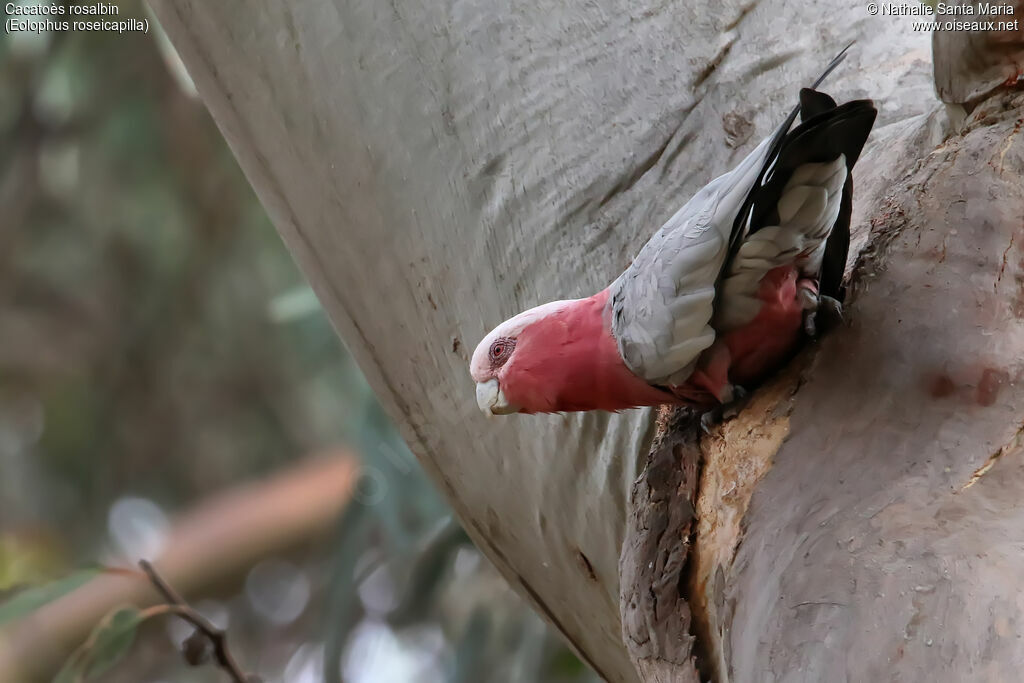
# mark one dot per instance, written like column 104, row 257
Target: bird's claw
column 708, row 420
column 826, row 314
column 808, row 299
column 724, row 411
column 833, row 308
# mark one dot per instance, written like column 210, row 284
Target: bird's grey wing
column 662, row 305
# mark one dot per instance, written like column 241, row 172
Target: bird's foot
column 825, row 314
column 725, row 411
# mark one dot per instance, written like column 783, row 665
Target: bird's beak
column 491, row 399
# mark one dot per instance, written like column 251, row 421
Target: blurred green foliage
column 157, row 344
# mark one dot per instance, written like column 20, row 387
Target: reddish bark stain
column 991, row 383
column 941, row 386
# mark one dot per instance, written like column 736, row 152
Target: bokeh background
column 159, row 350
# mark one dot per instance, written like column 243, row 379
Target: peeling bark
column 655, row 617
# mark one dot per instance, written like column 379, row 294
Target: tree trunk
column 858, row 520
column 437, row 166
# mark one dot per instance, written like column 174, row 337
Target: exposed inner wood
column 660, row 568
column 736, row 455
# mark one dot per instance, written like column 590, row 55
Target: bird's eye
column 500, row 350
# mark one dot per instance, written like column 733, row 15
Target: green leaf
column 71, row 672
column 113, row 638
column 109, row 642
column 31, row 599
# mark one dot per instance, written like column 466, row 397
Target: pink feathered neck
column 569, row 361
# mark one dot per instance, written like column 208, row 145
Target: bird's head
column 511, row 364
column 557, row 357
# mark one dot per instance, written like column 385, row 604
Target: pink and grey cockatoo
column 718, row 299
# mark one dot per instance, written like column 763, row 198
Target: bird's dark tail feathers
column 825, row 131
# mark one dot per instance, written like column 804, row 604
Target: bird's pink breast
column 746, row 355
column 762, row 345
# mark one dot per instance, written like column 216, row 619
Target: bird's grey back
column 662, row 305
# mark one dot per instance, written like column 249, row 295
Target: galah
column 718, row 299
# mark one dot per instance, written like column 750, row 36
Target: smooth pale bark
column 436, row 167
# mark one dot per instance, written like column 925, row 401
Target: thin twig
column 170, row 595
column 177, row 606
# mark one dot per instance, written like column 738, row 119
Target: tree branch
column 216, row 636
column 212, row 542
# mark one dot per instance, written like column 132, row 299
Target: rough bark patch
column 658, row 574
column 655, row 616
